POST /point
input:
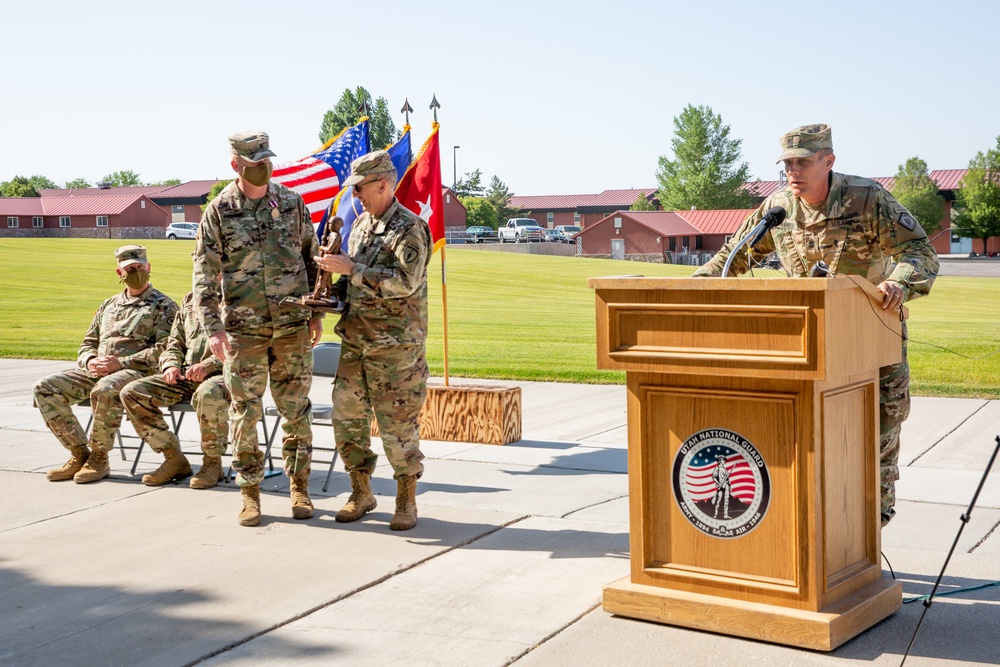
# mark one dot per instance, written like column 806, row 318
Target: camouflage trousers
column 391, row 382
column 55, row 396
column 210, row 399
column 894, row 408
column 284, row 356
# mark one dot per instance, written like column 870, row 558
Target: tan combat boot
column 78, row 457
column 362, row 499
column 302, row 506
column 175, row 466
column 250, row 516
column 210, row 473
column 406, row 504
column 95, row 469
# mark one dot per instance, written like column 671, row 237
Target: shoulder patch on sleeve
column 410, row 255
column 907, row 221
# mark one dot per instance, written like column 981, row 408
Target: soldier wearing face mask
column 126, row 337
column 260, row 237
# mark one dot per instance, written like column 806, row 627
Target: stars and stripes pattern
column 317, row 177
column 699, row 480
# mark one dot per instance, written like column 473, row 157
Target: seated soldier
column 123, row 344
column 188, row 372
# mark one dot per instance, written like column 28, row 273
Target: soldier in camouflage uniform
column 259, row 236
column 856, row 228
column 125, row 340
column 383, row 365
column 188, row 372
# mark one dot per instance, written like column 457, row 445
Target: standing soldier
column 123, row 344
column 259, row 236
column 856, row 228
column 383, row 365
column 188, row 372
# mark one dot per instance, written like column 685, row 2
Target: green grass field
column 510, row 316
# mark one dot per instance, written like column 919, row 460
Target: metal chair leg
column 138, row 452
column 329, row 471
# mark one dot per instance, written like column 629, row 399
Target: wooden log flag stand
column 753, row 441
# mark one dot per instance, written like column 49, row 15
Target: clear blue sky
column 555, row 98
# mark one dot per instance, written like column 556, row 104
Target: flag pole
column 435, row 105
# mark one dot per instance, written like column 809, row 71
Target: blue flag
column 348, row 208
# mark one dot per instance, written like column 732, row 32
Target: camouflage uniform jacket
column 858, row 231
column 264, row 252
column 132, row 328
column 187, row 344
column 388, row 286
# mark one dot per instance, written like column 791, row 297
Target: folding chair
column 176, row 412
column 85, row 403
column 326, row 358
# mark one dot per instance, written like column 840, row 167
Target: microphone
column 773, row 217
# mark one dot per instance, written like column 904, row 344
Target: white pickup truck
column 521, row 229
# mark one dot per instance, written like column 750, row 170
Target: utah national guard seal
column 721, row 483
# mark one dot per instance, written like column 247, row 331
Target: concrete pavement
column 505, row 567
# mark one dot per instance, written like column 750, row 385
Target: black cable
column 911, row 340
column 891, row 571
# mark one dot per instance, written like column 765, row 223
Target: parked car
column 521, row 229
column 569, row 230
column 182, row 230
column 556, row 236
column 480, row 235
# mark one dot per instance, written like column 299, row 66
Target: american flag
column 317, row 177
column 699, row 480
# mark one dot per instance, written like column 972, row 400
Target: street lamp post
column 454, row 169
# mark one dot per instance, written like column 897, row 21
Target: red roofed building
column 114, row 216
column 183, row 202
column 550, row 211
column 659, row 236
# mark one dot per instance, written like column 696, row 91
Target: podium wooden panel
column 779, row 378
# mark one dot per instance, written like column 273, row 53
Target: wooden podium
column 752, row 453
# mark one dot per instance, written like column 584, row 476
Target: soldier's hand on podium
column 893, row 294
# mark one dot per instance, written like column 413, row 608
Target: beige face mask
column 259, row 174
column 136, row 278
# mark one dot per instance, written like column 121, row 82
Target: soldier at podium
column 853, row 226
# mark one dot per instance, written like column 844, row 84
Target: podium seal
column 721, row 483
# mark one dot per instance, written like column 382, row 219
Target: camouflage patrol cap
column 377, row 163
column 253, row 145
column 128, row 255
column 804, row 141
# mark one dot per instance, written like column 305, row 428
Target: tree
column 478, row 212
column 167, row 182
column 347, row 112
column 214, row 191
column 642, row 204
column 915, row 190
column 471, row 185
column 706, row 171
column 979, row 196
column 122, row 179
column 498, row 196
column 42, row 183
column 19, row 186
column 76, row 184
